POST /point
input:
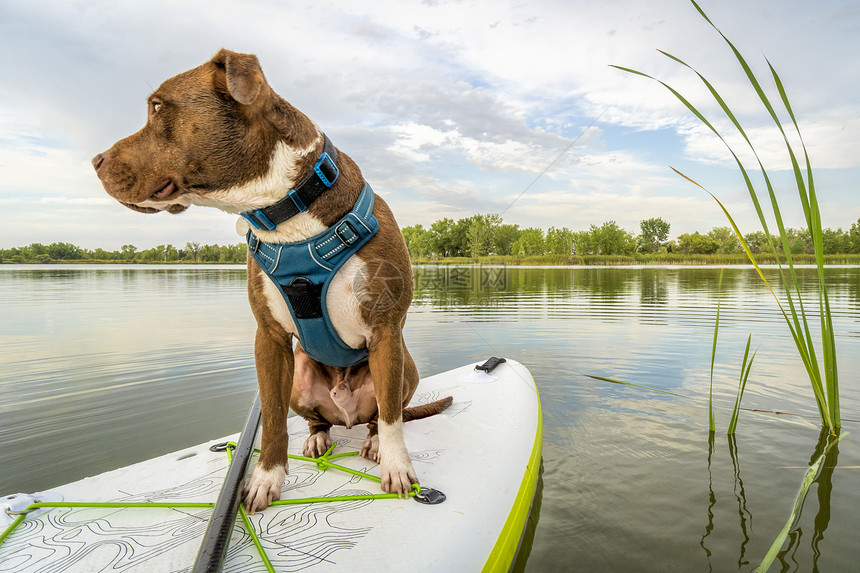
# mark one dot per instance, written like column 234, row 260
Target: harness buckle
column 346, row 233
column 258, row 220
column 253, row 243
column 297, row 201
column 326, row 170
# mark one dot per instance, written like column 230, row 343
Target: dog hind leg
column 370, row 448
column 319, row 440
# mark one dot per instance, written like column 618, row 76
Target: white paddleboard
column 483, row 453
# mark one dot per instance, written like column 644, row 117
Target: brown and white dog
column 218, row 135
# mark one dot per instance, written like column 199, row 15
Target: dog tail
column 426, row 410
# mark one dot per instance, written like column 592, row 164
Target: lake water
column 102, row 366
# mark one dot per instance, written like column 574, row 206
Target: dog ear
column 245, row 77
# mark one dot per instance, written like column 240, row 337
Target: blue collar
column 300, row 197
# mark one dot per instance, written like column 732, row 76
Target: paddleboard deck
column 483, row 453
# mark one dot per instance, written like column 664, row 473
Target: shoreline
column 510, row 260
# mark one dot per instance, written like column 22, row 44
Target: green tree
column 480, row 233
column 504, row 237
column 165, row 253
column 697, row 244
column 128, row 251
column 148, row 256
column 460, row 234
column 530, row 242
column 726, row 240
column 799, row 241
column 102, row 255
column 560, row 241
column 34, row 250
column 854, row 237
column 64, row 251
column 237, row 253
column 210, row 253
column 757, row 242
column 171, row 253
column 610, row 239
column 417, row 240
column 653, row 235
column 583, row 243
column 192, row 248
column 534, row 241
column 443, row 240
column 835, row 242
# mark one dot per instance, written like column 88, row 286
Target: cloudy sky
column 450, row 107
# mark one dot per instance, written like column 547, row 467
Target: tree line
column 193, row 252
column 481, row 235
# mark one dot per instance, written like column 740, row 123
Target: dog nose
column 98, row 160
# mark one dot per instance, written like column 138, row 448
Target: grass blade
column 808, row 362
column 614, row 381
column 742, row 384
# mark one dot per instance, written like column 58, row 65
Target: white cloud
column 449, row 107
column 832, row 142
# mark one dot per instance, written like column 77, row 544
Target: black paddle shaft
column 213, row 549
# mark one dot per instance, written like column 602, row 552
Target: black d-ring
column 430, row 496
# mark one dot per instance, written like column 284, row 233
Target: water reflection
column 743, row 513
column 528, row 537
column 712, row 501
column 654, row 289
column 791, row 556
column 668, row 296
column 788, row 557
column 103, row 366
column 654, row 327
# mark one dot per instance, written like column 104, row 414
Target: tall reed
column 824, row 381
column 746, row 366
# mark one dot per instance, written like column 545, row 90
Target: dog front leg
column 274, row 358
column 386, row 369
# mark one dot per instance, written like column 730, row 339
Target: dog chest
column 344, row 308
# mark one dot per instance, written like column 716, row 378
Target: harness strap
column 299, row 198
column 352, row 227
column 304, row 270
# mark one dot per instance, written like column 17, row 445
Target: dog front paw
column 317, row 444
column 397, row 477
column 370, row 448
column 263, row 488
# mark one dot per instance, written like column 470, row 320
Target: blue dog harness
column 303, row 271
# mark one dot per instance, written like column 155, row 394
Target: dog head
column 215, row 135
